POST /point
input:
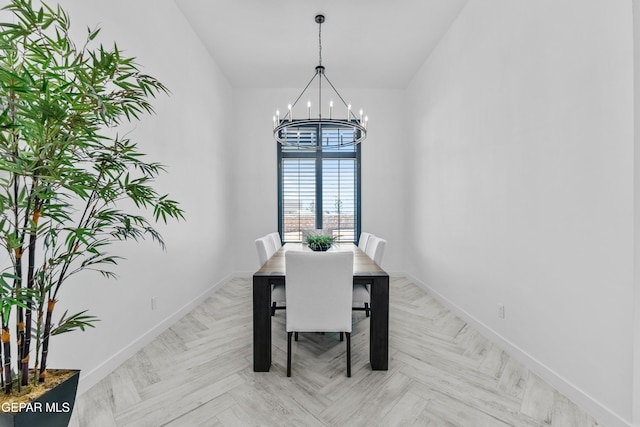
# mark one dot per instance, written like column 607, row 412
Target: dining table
column 365, row 271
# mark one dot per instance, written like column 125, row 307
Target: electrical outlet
column 154, row 303
column 501, row 311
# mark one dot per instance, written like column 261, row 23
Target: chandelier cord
column 320, row 43
column 320, row 72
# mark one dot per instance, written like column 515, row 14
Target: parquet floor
column 441, row 373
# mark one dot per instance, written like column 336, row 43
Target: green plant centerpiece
column 319, row 242
column 69, row 185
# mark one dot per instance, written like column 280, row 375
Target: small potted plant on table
column 319, row 242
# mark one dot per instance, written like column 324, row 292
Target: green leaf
column 74, row 322
column 94, row 33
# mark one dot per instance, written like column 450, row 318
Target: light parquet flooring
column 441, row 373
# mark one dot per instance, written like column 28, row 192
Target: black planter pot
column 318, row 247
column 52, row 409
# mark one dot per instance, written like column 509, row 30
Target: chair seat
column 360, row 295
column 278, row 295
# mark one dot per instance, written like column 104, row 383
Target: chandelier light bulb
column 349, row 112
column 274, row 122
column 331, row 109
column 366, row 119
column 309, row 108
column 278, row 116
column 361, row 112
column 290, row 113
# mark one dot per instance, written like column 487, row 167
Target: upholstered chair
column 319, row 292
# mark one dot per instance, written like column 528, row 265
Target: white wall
column 190, row 135
column 521, row 187
column 636, row 334
column 255, row 157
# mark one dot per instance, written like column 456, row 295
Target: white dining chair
column 263, row 250
column 375, row 249
column 265, row 247
column 276, row 239
column 315, row 281
column 364, row 239
column 362, row 292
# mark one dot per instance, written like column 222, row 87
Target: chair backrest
column 271, row 245
column 266, row 248
column 375, row 249
column 319, row 291
column 276, row 239
column 364, row 239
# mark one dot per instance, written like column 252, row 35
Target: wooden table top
column 363, row 266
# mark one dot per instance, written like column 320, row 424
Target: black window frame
column 319, row 155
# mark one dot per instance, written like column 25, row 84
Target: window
column 318, row 184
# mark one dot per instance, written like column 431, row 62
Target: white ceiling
column 365, row 43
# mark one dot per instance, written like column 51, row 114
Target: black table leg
column 379, row 324
column 261, row 324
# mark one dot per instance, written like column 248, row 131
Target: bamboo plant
column 70, row 186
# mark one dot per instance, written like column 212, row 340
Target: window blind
column 298, row 195
column 339, row 198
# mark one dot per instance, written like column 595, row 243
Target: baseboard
column 91, row 378
column 601, row 413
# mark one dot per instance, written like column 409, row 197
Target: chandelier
column 348, row 130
